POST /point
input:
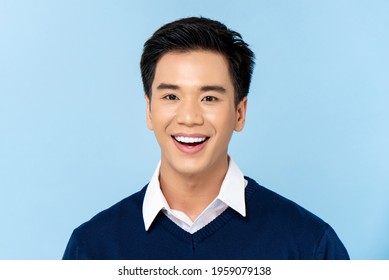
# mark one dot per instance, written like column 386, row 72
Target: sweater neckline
column 208, row 229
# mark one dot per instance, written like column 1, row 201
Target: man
column 198, row 205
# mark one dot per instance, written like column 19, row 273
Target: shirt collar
column 232, row 193
column 232, row 190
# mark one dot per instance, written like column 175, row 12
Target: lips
column 190, row 144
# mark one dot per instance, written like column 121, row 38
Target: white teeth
column 183, row 139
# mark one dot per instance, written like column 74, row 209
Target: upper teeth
column 189, row 139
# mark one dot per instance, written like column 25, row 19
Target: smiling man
column 198, row 205
column 193, row 113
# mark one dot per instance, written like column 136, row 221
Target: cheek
column 223, row 121
column 161, row 118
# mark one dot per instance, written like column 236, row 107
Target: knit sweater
column 274, row 228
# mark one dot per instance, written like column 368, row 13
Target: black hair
column 198, row 33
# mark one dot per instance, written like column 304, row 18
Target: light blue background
column 73, row 138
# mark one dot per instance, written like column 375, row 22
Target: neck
column 192, row 193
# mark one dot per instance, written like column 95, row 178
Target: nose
column 189, row 113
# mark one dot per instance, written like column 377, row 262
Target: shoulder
column 289, row 225
column 125, row 210
column 118, row 218
column 275, row 206
column 101, row 237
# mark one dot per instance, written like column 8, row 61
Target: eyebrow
column 216, row 88
column 167, row 86
column 219, row 89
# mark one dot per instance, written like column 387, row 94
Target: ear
column 148, row 113
column 241, row 114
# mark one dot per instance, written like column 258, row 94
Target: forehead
column 193, row 68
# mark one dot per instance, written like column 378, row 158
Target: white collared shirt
column 232, row 194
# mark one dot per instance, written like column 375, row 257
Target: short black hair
column 199, row 33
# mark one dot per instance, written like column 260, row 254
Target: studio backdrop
column 73, row 135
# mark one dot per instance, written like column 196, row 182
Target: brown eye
column 209, row 99
column 171, row 97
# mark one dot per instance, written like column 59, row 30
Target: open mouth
column 190, row 144
column 190, row 141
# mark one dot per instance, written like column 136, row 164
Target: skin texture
column 193, row 95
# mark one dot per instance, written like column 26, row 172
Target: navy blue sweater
column 274, row 228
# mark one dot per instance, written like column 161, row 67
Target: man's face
column 192, row 111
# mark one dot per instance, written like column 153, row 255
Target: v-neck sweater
column 274, row 228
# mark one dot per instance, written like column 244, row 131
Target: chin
column 189, row 171
column 190, row 167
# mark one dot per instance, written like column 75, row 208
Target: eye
column 170, row 97
column 210, row 99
